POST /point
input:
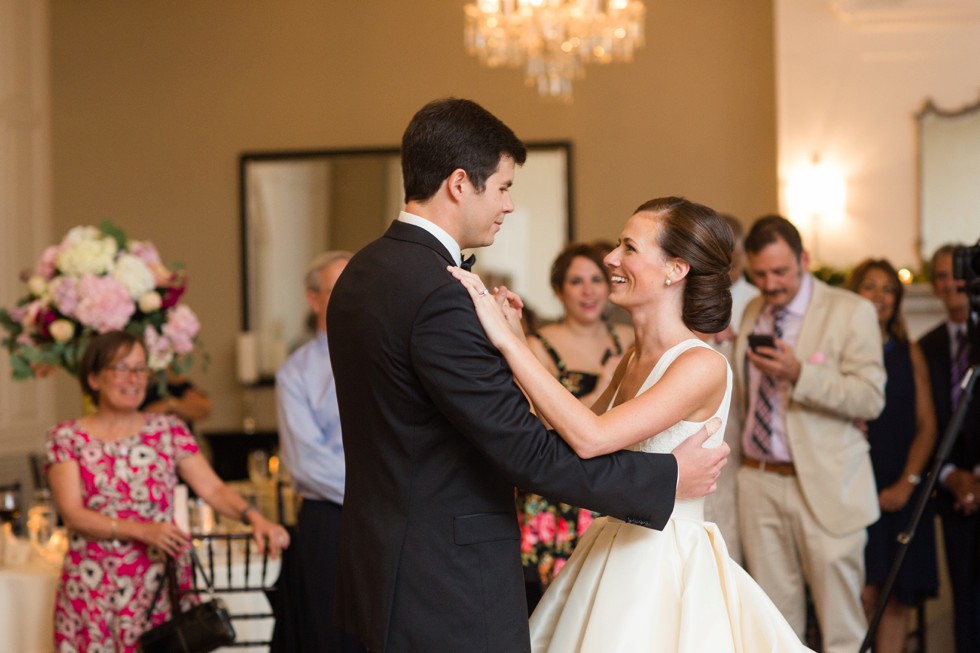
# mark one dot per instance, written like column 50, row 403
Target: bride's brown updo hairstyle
column 698, row 235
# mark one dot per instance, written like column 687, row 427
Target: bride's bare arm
column 692, row 381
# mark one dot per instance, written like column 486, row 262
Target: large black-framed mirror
column 298, row 203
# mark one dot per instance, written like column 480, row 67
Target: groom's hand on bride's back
column 698, row 467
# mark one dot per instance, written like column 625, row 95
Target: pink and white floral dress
column 107, row 586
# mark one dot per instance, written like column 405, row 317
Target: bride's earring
column 667, row 281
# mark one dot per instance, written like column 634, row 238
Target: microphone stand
column 905, row 537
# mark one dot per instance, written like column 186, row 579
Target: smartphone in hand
column 757, row 340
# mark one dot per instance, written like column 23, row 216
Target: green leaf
column 20, row 368
column 114, row 232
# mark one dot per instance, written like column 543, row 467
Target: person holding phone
column 592, row 347
column 808, row 361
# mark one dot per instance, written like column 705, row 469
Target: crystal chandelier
column 553, row 39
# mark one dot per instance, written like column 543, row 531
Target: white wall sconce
column 816, row 198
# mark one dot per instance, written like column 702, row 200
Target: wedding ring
column 483, row 292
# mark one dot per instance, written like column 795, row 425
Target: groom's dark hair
column 451, row 133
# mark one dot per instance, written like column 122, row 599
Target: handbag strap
column 169, row 578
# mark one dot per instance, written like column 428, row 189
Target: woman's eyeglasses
column 122, row 371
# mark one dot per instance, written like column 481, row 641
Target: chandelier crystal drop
column 553, row 39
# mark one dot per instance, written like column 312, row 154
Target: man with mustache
column 806, row 487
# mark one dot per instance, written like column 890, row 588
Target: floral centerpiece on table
column 97, row 280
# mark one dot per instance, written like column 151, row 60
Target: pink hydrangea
column 64, row 295
column 47, row 265
column 144, row 250
column 159, row 349
column 181, row 328
column 103, row 304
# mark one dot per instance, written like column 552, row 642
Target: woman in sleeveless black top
column 901, row 440
column 593, row 346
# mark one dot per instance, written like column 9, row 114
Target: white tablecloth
column 27, row 607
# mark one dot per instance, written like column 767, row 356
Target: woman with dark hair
column 113, row 475
column 902, row 439
column 627, row 587
column 591, row 348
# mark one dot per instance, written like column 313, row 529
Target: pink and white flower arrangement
column 96, row 280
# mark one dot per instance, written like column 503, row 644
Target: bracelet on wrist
column 113, row 529
column 243, row 515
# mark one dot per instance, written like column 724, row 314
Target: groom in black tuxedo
column 436, row 432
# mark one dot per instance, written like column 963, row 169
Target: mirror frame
column 247, row 158
column 966, row 117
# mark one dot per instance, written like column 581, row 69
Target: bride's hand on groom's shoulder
column 698, row 467
column 499, row 311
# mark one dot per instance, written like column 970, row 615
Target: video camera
column 966, row 266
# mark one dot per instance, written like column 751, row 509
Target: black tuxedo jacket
column 436, row 436
column 966, row 450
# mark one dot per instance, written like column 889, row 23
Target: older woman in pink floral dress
column 113, row 475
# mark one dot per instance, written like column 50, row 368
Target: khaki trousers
column 784, row 547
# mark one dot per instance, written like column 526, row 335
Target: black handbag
column 203, row 628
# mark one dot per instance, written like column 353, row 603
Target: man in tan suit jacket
column 806, row 487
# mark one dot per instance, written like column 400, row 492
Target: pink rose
column 546, row 526
column 103, row 303
column 559, row 563
column 584, row 520
column 528, row 538
column 564, row 532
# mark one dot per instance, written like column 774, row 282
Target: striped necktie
column 961, row 362
column 762, row 429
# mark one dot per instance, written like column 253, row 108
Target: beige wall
column 852, row 75
column 152, row 102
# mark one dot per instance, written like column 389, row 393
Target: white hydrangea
column 87, row 256
column 78, row 234
column 133, row 275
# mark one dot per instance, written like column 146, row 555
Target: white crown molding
column 910, row 14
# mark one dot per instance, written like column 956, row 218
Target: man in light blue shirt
column 313, row 452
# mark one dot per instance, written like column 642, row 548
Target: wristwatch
column 244, row 514
column 913, row 479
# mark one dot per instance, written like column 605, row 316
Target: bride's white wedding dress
column 628, row 589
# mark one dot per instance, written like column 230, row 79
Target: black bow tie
column 468, row 262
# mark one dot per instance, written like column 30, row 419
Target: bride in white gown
column 628, row 588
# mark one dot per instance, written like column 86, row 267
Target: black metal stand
column 929, row 483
